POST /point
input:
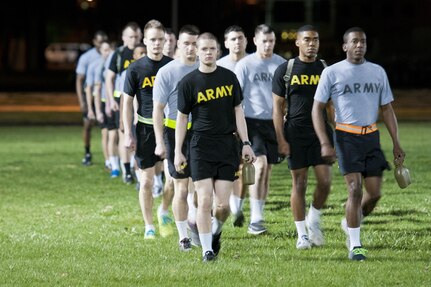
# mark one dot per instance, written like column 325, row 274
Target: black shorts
column 104, row 124
column 145, row 146
column 213, row 157
column 305, row 150
column 263, row 138
column 360, row 153
column 169, row 136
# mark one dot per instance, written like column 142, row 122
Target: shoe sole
column 253, row 232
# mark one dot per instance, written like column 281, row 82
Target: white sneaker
column 346, row 231
column 315, row 233
column 303, row 243
column 193, row 234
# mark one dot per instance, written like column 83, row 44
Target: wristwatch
column 246, row 143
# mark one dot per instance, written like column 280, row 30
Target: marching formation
column 170, row 108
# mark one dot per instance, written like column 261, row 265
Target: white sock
column 300, row 228
column 158, row 180
column 114, row 162
column 256, row 209
column 132, row 161
column 149, row 227
column 216, row 226
column 234, row 204
column 206, row 241
column 191, row 216
column 182, row 229
column 161, row 211
column 355, row 237
column 107, row 162
column 123, row 169
column 314, row 214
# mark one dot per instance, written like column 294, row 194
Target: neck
column 207, row 68
column 236, row 56
column 155, row 57
column 306, row 59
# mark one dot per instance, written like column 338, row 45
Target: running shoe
column 86, row 161
column 165, row 225
column 209, row 256
column 256, row 228
column 238, row 219
column 193, row 234
column 358, row 253
column 185, row 244
column 216, row 244
column 303, row 243
column 315, row 232
column 150, row 234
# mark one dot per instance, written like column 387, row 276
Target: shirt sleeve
column 386, row 95
column 278, row 82
column 130, row 83
column 184, row 96
column 323, row 91
column 113, row 63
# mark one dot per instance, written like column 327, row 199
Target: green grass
column 62, row 224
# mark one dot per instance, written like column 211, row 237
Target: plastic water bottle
column 402, row 175
column 247, row 173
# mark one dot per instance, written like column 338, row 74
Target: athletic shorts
column 145, row 146
column 213, row 157
column 169, row 136
column 262, row 136
column 305, row 150
column 360, row 153
column 104, row 124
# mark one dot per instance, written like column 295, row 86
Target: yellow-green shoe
column 165, row 225
column 150, row 234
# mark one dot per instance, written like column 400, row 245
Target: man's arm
column 98, row 101
column 129, row 140
column 327, row 149
column 278, row 119
column 241, row 127
column 89, row 97
column 158, row 128
column 79, row 83
column 391, row 123
column 110, row 85
column 180, row 133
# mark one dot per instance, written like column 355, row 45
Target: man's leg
column 297, row 203
column 180, row 210
column 86, row 136
column 373, row 185
column 222, row 190
column 323, row 186
column 146, row 201
column 258, row 193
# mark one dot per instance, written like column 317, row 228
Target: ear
column 297, row 43
column 344, row 47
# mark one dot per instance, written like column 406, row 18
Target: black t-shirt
column 126, row 59
column 303, row 84
column 211, row 98
column 140, row 81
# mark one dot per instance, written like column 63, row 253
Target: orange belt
column 358, row 130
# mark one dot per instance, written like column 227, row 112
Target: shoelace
column 166, row 219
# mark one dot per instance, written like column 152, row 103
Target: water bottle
column 247, row 173
column 402, row 175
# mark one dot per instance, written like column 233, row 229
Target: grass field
column 62, row 224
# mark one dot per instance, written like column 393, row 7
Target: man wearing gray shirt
column 358, row 89
column 255, row 73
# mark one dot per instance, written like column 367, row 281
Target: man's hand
column 129, row 141
column 328, row 152
column 180, row 162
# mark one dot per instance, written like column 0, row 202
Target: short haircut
column 169, row 31
column 155, row 24
column 189, row 29
column 141, row 45
column 132, row 25
column 100, row 34
column 207, row 36
column 351, row 30
column 233, row 28
column 265, row 29
column 307, row 28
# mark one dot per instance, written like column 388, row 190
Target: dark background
column 398, row 31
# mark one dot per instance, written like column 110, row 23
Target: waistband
column 358, row 130
column 117, row 94
column 173, row 124
column 148, row 121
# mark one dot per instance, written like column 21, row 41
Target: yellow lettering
column 126, row 64
column 304, row 79
column 314, row 79
column 229, row 89
column 147, row 82
column 201, row 97
column 295, row 80
column 221, row 92
column 210, row 94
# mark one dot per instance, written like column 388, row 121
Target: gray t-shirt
column 255, row 77
column 357, row 91
column 165, row 89
column 227, row 63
